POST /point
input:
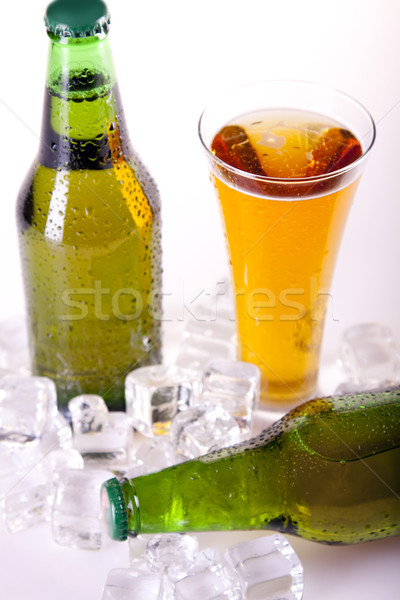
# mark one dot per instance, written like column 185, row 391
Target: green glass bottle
column 328, row 471
column 89, row 221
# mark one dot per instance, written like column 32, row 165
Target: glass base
column 287, row 394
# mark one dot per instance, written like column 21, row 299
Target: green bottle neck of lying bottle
column 82, row 116
column 328, row 471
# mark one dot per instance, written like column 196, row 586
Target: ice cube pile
column 171, row 567
column 43, row 476
column 51, row 468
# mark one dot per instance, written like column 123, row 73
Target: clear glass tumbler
column 285, row 158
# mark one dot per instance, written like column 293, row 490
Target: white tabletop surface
column 33, row 567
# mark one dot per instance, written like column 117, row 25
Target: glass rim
column 289, row 180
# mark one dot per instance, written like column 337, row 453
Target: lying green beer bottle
column 88, row 221
column 328, row 471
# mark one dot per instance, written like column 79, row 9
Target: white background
column 170, row 58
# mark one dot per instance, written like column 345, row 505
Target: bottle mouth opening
column 113, row 510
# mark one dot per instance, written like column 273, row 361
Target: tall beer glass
column 285, row 158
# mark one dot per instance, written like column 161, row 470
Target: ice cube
column 233, row 385
column 370, row 356
column 202, row 429
column 347, row 387
column 125, row 584
column 173, row 553
column 59, row 460
column 110, row 448
column 14, row 347
column 234, row 378
column 153, row 455
column 26, row 490
column 57, row 434
column 154, row 395
column 232, row 146
column 76, row 514
column 238, row 408
column 335, row 148
column 209, row 333
column 211, row 578
column 268, row 568
column 197, row 350
column 27, row 405
column 89, row 413
column 137, row 551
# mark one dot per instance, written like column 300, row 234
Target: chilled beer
column 328, row 471
column 284, row 211
column 89, row 222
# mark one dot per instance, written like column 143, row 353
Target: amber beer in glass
column 285, row 159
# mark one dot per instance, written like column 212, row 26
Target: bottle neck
column 132, row 506
column 82, row 111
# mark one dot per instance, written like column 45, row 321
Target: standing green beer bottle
column 328, row 471
column 88, row 221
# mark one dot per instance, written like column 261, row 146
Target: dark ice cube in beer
column 335, row 148
column 233, row 146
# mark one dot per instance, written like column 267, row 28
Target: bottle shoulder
column 115, row 198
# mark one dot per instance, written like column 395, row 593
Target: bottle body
column 319, row 473
column 89, row 232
